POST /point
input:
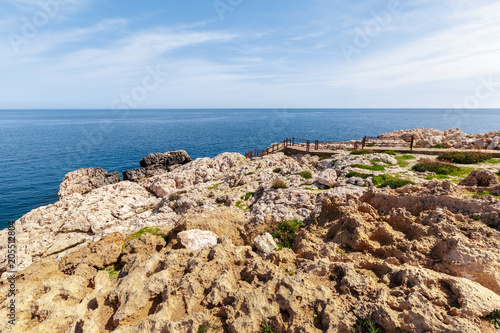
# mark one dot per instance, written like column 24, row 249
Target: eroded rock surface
column 85, row 180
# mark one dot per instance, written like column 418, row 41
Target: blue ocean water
column 38, row 147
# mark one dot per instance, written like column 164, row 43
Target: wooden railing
column 311, row 145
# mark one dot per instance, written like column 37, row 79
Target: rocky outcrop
column 174, row 252
column 165, row 160
column 483, row 178
column 155, row 164
column 85, row 180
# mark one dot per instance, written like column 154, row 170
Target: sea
column 38, row 147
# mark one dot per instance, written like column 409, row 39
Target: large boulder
column 480, row 178
column 328, row 177
column 166, row 159
column 197, row 239
column 85, row 180
column 156, row 164
column 495, row 143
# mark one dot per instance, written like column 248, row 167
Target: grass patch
column 241, row 206
column 305, row 174
column 391, row 181
column 277, row 170
column 322, row 158
column 213, row 187
column 493, row 161
column 439, row 146
column 464, row 157
column 390, row 152
column 375, row 167
column 285, row 232
column 266, row 328
column 403, row 160
column 361, row 152
column 365, row 326
column 248, row 195
column 113, row 275
column 439, row 177
column 359, row 174
column 278, row 183
column 306, row 184
column 494, row 318
column 151, row 230
column 248, row 174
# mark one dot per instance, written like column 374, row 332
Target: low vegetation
column 247, row 195
column 391, row 181
column 403, row 160
column 468, row 157
column 277, row 170
column 278, row 183
column 436, row 167
column 213, row 187
column 494, row 318
column 439, row 146
column 203, row 328
column 305, row 174
column 266, row 328
column 285, row 232
column 365, row 326
column 361, row 152
column 375, row 167
column 358, row 174
column 390, row 152
column 151, row 230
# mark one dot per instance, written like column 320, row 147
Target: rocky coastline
column 353, row 242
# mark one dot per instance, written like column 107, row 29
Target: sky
column 249, row 54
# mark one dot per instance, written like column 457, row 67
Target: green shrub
column 436, row 167
column 248, row 174
column 494, row 318
column 174, row 196
column 213, row 187
column 358, row 174
column 464, row 157
column 361, row 152
column 285, row 232
column 305, row 174
column 278, row 183
column 439, row 146
column 392, row 182
column 277, row 170
column 375, row 167
column 203, row 328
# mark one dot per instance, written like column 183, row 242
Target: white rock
column 265, row 243
column 495, row 143
column 328, row 177
column 196, row 239
column 387, row 159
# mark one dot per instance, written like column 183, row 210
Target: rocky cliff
column 274, row 244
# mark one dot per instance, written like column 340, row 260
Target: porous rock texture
column 483, row 178
column 155, row 164
column 84, row 180
column 421, row 258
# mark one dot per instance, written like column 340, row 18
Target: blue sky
column 249, row 53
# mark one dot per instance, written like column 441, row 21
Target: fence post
column 411, row 143
column 356, row 145
column 316, row 145
column 293, row 141
column 307, row 145
column 363, row 142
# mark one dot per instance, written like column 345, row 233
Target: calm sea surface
column 38, row 147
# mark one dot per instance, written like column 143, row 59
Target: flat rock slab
column 196, row 239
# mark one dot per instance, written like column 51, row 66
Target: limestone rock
column 494, row 143
column 85, row 180
column 328, row 177
column 265, row 243
column 484, row 178
column 166, row 159
column 196, row 239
